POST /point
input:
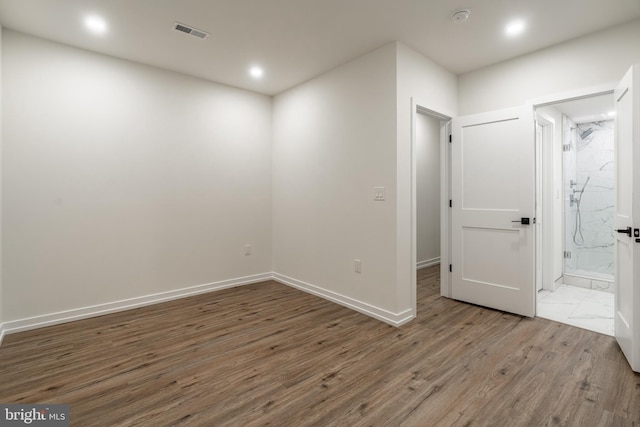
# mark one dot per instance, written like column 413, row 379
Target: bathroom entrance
column 579, row 158
column 495, row 250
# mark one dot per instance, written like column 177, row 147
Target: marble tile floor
column 584, row 308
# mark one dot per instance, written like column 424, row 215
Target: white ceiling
column 589, row 109
column 295, row 40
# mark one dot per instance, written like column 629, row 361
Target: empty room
column 328, row 213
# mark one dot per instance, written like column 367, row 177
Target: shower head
column 586, row 133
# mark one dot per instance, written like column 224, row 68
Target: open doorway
column 576, row 195
column 430, row 140
column 427, row 161
column 427, row 191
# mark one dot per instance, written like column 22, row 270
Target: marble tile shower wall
column 589, row 220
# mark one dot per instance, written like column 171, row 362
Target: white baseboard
column 427, row 263
column 394, row 319
column 113, row 307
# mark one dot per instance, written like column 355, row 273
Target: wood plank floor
column 267, row 354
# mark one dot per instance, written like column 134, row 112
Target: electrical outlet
column 247, row 250
column 357, row 266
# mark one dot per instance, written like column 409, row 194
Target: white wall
column 589, row 61
column 428, row 188
column 334, row 141
column 121, row 180
column 335, row 138
column 421, row 80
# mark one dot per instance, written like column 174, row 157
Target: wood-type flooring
column 267, row 354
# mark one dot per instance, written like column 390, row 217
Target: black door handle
column 526, row 221
column 625, row 231
column 637, row 240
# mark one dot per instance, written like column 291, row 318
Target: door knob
column 625, row 231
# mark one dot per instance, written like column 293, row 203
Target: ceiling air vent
column 190, row 30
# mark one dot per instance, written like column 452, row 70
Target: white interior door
column 492, row 183
column 627, row 153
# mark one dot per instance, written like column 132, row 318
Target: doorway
column 431, row 130
column 427, row 191
column 576, row 147
column 495, row 150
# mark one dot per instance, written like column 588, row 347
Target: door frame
column 542, row 142
column 547, row 234
column 423, row 107
column 545, row 226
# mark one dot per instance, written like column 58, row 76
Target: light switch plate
column 378, row 194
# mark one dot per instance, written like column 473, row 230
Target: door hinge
column 567, row 254
column 566, row 147
column 450, row 268
column 449, row 138
column 450, row 203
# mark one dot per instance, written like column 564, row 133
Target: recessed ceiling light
column 515, row 28
column 256, row 72
column 95, row 24
column 611, row 113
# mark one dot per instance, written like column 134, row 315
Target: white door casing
column 627, row 204
column 493, row 183
column 540, row 142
